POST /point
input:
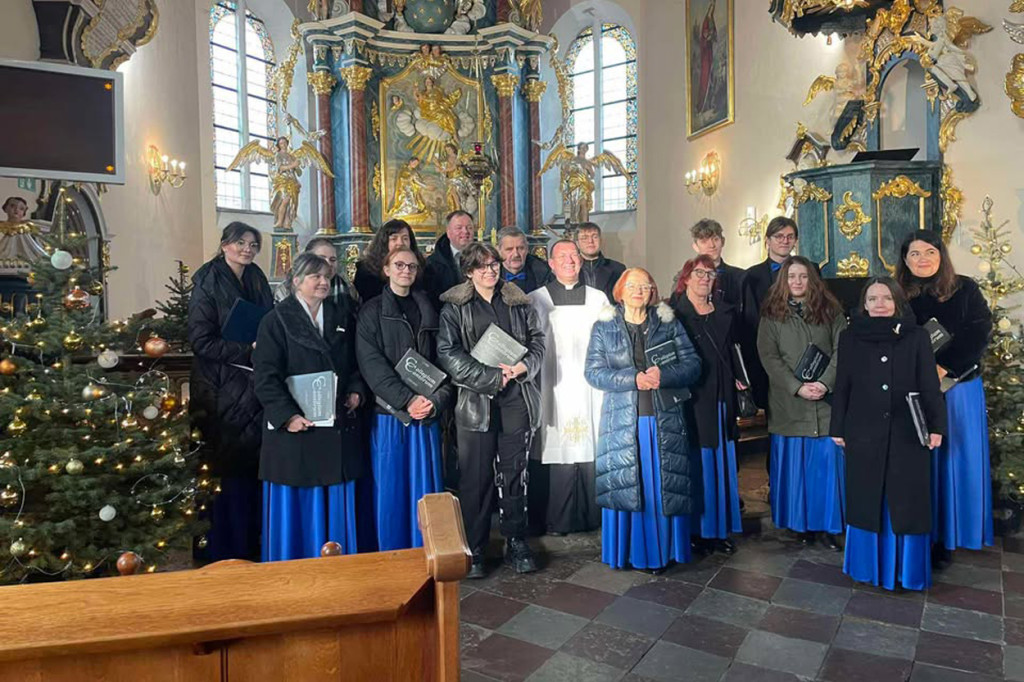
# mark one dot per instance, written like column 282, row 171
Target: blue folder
column 243, row 321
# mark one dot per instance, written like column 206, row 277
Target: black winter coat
column 477, row 383
column 880, row 361
column 367, row 284
column 729, row 285
column 442, row 271
column 602, row 274
column 384, row 336
column 538, row 273
column 223, row 404
column 289, row 344
column 713, row 337
column 965, row 315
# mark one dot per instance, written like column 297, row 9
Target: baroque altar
column 410, row 93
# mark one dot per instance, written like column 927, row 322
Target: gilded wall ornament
column 355, row 76
column 1017, row 6
column 533, row 90
column 900, row 187
column 853, row 266
column 376, row 181
column 322, row 82
column 810, row 192
column 375, row 121
column 850, row 227
column 952, row 201
column 1015, row 85
column 505, row 83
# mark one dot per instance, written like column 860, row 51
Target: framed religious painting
column 710, row 79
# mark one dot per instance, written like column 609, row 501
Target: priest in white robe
column 564, row 499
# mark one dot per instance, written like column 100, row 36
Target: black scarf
column 881, row 329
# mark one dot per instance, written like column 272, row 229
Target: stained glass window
column 604, row 111
column 235, row 123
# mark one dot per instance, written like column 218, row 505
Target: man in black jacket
column 517, row 264
column 709, row 240
column 442, row 270
column 498, row 407
column 598, row 272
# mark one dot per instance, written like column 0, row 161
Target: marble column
column 355, row 77
column 323, row 84
column 533, row 90
column 505, row 84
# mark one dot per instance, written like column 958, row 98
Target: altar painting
column 710, row 79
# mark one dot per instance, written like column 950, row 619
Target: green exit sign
column 28, row 184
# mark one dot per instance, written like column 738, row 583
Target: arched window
column 242, row 107
column 604, row 113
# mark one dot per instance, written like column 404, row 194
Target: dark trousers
column 495, row 460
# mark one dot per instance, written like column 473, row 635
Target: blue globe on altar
column 429, row 16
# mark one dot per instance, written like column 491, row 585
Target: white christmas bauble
column 151, row 412
column 107, row 513
column 1004, row 323
column 61, row 259
column 984, row 266
column 107, row 359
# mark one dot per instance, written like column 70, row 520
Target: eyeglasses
column 243, row 245
column 411, row 267
column 784, row 237
column 493, row 266
column 705, row 274
column 642, row 288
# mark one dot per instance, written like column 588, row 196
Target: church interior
column 153, row 148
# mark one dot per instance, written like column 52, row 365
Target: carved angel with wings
column 578, row 178
column 285, row 165
column 948, row 59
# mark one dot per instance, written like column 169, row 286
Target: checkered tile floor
column 774, row 612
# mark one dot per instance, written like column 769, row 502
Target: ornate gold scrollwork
column 952, row 201
column 375, row 121
column 811, row 192
column 322, row 82
column 850, row 227
column 505, row 83
column 853, row 266
column 376, row 180
column 1015, row 85
column 899, row 187
column 355, row 76
column 533, row 89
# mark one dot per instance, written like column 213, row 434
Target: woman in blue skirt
column 406, row 452
column 884, row 357
column 710, row 326
column 806, row 466
column 308, row 469
column 648, row 480
column 961, row 479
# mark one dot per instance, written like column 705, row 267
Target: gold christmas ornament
column 36, row 324
column 155, row 346
column 8, row 367
column 77, row 299
column 168, row 403
column 196, row 435
column 74, row 467
column 129, row 422
column 18, row 548
column 9, row 497
column 33, row 397
column 95, row 287
column 157, row 512
column 16, row 427
column 73, row 341
column 93, row 392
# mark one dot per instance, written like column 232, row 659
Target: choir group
column 568, row 395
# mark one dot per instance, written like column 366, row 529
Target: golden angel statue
column 578, row 178
column 434, row 121
column 285, row 165
column 526, row 13
column 408, row 203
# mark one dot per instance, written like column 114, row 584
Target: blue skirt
column 646, row 539
column 808, row 484
column 886, row 559
column 961, row 478
column 721, row 514
column 406, row 466
column 298, row 521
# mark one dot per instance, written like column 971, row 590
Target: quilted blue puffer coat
column 610, row 368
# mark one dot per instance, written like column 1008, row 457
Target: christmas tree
column 1002, row 367
column 173, row 325
column 93, row 463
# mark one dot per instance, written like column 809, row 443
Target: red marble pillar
column 355, row 77
column 323, row 83
column 533, row 90
column 505, row 84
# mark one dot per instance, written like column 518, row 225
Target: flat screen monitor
column 61, row 122
column 886, row 155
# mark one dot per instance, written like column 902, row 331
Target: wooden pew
column 383, row 616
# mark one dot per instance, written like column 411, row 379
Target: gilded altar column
column 505, row 84
column 355, row 77
column 323, row 84
column 533, row 90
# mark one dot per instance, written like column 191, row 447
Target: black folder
column 812, row 364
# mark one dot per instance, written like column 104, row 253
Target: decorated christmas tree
column 172, row 326
column 94, row 462
column 1003, row 371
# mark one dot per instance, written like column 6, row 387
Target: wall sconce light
column 753, row 228
column 163, row 169
column 706, row 178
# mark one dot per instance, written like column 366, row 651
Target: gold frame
column 692, row 134
column 899, row 187
column 851, row 228
column 382, row 94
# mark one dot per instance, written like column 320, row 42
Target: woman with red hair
column 711, row 326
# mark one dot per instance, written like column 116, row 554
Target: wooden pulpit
column 382, row 616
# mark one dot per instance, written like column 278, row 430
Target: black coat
column 442, row 271
column 602, row 274
column 477, row 383
column 223, row 405
column 965, row 315
column 289, row 344
column 712, row 335
column 729, row 285
column 877, row 368
column 538, row 273
column 384, row 336
column 367, row 284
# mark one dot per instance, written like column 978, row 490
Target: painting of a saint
column 709, row 65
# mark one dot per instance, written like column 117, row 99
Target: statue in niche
column 438, row 107
column 285, row 166
column 408, row 203
column 577, row 173
column 18, row 246
column 467, row 12
column 526, row 13
column 947, row 59
column 460, row 194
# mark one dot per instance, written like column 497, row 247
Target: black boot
column 806, row 538
column 830, row 541
column 941, row 557
column 725, row 546
column 519, row 556
column 477, row 570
